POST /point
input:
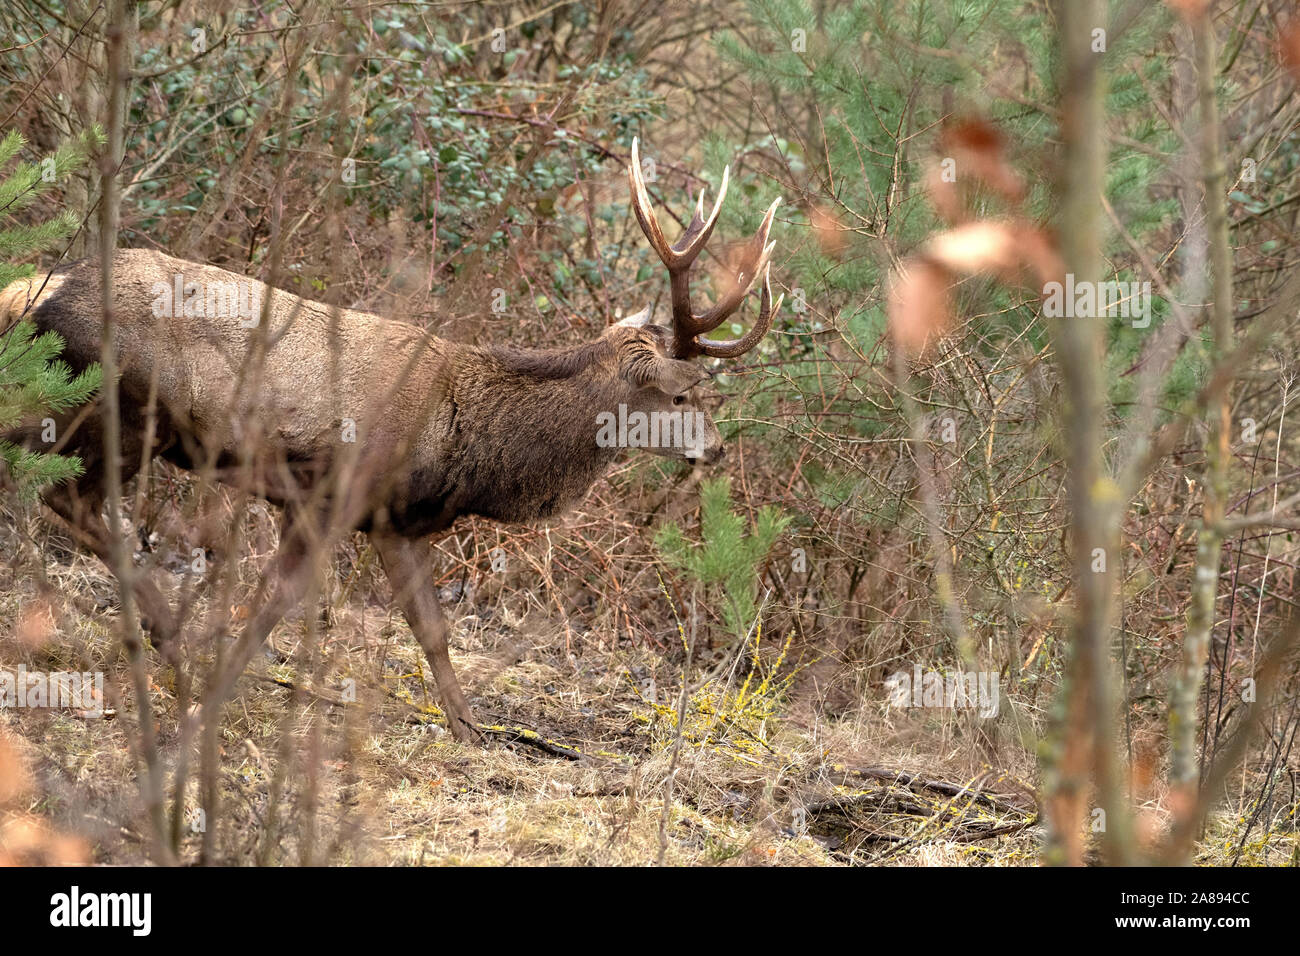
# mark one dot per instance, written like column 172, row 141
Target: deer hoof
column 463, row 728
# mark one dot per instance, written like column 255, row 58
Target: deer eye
column 679, row 399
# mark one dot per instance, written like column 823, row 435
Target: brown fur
column 442, row 429
column 499, row 432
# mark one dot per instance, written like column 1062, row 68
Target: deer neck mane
column 547, row 400
column 548, row 364
column 523, row 429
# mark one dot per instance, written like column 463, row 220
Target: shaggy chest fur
column 514, row 447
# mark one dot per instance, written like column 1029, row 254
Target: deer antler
column 688, row 326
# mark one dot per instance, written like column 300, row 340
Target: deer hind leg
column 80, row 503
column 408, row 565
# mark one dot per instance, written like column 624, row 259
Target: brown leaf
column 919, row 301
column 36, row 624
column 919, row 305
column 828, row 231
column 13, row 779
column 974, row 135
column 1039, row 252
column 1189, row 10
column 978, row 149
column 976, row 247
column 944, row 196
column 1289, row 46
column 26, row 841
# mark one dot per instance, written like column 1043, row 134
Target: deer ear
column 636, row 321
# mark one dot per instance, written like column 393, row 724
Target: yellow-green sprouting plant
column 734, row 721
column 726, row 560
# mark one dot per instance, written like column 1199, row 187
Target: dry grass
column 761, row 779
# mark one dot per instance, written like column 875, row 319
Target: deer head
column 656, row 361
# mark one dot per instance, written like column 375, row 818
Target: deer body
column 351, row 421
column 489, row 431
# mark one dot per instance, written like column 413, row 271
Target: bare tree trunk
column 1085, row 743
column 1205, row 584
column 116, row 36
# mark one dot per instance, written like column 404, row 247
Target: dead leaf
column 13, row 779
column 828, row 231
column 1039, row 252
column 978, row 151
column 944, row 195
column 976, row 247
column 1189, row 10
column 36, row 624
column 919, row 305
column 1289, row 46
column 27, row 841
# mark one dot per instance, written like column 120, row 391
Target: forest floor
column 353, row 766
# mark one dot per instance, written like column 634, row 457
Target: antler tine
column 678, row 256
column 644, row 212
column 767, row 309
column 751, row 265
column 697, row 233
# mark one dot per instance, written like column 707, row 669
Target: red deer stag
column 350, row 421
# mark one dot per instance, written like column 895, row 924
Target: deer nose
column 716, row 455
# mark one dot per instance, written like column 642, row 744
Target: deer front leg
column 284, row 583
column 408, row 565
